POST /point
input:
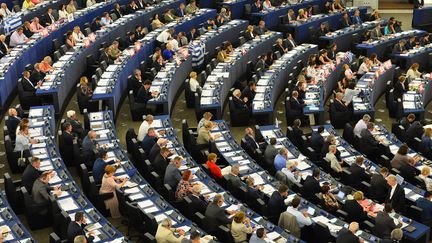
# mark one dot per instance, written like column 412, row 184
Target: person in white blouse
column 63, row 14
column 267, row 6
column 361, row 125
column 413, row 72
column 331, row 157
column 77, row 34
column 295, row 176
column 174, row 43
column 90, row 3
column 365, row 66
column 425, row 173
column 106, row 19
column 5, row 11
column 17, row 37
column 193, row 82
column 145, row 125
column 349, row 74
column 350, row 92
column 303, row 218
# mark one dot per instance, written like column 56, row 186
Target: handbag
column 21, row 160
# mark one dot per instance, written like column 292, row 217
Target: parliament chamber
column 215, row 121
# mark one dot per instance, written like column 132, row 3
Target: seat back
column 13, row 194
column 130, row 134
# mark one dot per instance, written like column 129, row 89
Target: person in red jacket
column 213, row 167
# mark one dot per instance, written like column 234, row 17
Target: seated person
column 280, row 47
column 215, row 215
column 172, row 173
column 311, row 184
column 411, row 43
column 233, row 177
column 389, row 29
column 425, row 40
column 261, row 28
column 349, row 235
column 204, row 135
column 358, row 172
column 324, row 59
column 356, row 18
column 339, row 105
column 413, row 72
column 215, row 171
column 407, row 121
column 267, row 6
column 427, row 139
column 361, row 124
column 165, row 233
column 426, row 205
column 144, row 94
column 354, row 209
column 400, row 48
column 100, row 164
column 323, row 30
column 249, row 93
column 41, row 190
column 337, row 6
column 316, row 139
column 376, row 34
column 276, row 204
column 149, row 140
column 109, row 184
column 76, row 228
column 135, row 82
column 330, row 202
column 302, row 217
column 302, row 16
column 402, row 158
column 249, row 33
column 291, row 16
column 365, row 66
column 281, row 159
column 291, row 172
column 254, row 191
column 346, row 21
column 239, row 103
column 335, row 164
column 256, row 7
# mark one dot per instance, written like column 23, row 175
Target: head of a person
column 71, row 114
column 339, row 96
column 79, row 217
column 388, row 208
column 137, row 73
column 147, row 84
column 80, row 239
column 273, row 141
column 295, row 202
column 402, row 42
column 196, row 189
column 297, row 123
column 177, row 161
column 164, row 152
column 83, row 81
column 166, row 223
column 332, row 149
column 261, row 24
column 391, row 180
column 316, row 173
column 103, row 154
column 250, row 28
column 207, row 116
column 370, row 126
column 249, row 131
column 353, row 227
column 12, row 112
column 110, row 170
column 396, row 234
column 237, row 93
column 162, row 142
column 186, row 175
column 195, row 236
column 283, row 152
column 45, row 177
column 239, row 217
column 411, row 118
column 235, row 169
column 330, row 139
column 294, row 94
column 301, row 11
column 283, row 190
column 151, row 132
column 366, row 118
column 212, row 157
column 218, row 200
column 208, row 125
column 428, row 132
column 359, row 160
column 35, row 162
column 428, row 195
column 290, row 165
column 403, row 149
column 91, row 134
column 250, row 181
column 261, row 233
column 67, row 127
column 358, row 195
column 193, row 75
column 384, row 172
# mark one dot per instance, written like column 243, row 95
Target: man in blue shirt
column 99, row 166
column 149, row 140
column 356, row 18
column 281, row 159
column 426, row 204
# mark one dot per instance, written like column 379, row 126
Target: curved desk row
column 370, row 87
column 233, row 154
column 417, row 97
column 67, row 82
column 274, row 81
column 223, row 77
column 39, row 48
column 271, row 18
column 381, row 46
column 116, row 85
column 146, row 198
column 300, row 30
column 419, row 55
column 72, row 200
column 344, row 39
column 10, row 224
column 412, row 193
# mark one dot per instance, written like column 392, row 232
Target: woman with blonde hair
column 337, row 6
column 302, row 16
column 193, row 82
column 413, row 72
column 249, row 33
column 85, row 88
column 240, row 227
column 109, row 184
column 424, row 175
column 45, row 65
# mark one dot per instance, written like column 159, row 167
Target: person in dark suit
column 426, row 205
column 280, row 47
column 332, row 51
column 323, row 30
column 96, row 24
column 316, row 139
column 160, row 143
column 161, row 161
column 144, row 94
column 249, row 33
column 233, row 177
column 253, row 192
column 425, row 40
column 261, row 64
column 198, row 202
column 149, row 140
column 400, row 88
column 256, row 7
column 192, row 34
column 66, row 148
column 297, row 133
column 12, row 122
column 356, row 18
column 353, row 208
column 37, row 75
column 358, row 173
column 27, row 29
column 406, row 122
column 415, row 130
column 348, row 235
column 172, row 173
column 181, row 12
column 27, row 84
column 251, row 140
column 261, row 28
column 41, row 191
column 215, row 215
column 376, row 33
column 384, row 224
column 411, row 43
column 249, row 92
column 396, row 195
column 135, row 82
column 130, row 40
column 77, row 128
column 99, row 165
column 339, row 105
column 296, row 106
column 276, row 204
column 240, row 103
column 400, row 48
column 369, row 145
column 31, row 174
column 131, row 7
column 48, row 19
column 290, row 42
column 418, row 3
column 408, row 172
column 104, row 56
column 117, row 10
column 311, row 185
column 345, row 21
column 89, row 147
column 76, row 228
column 379, row 187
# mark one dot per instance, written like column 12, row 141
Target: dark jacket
column 397, row 200
column 310, row 187
column 99, row 169
column 143, row 95
column 384, row 225
column 75, row 230
column 379, row 188
column 346, row 236
column 317, row 141
column 276, row 205
column 198, row 204
column 159, row 165
column 215, row 216
column 29, row 176
column 354, row 210
column 148, row 143
column 172, row 176
column 358, row 174
column 426, row 205
column 12, row 125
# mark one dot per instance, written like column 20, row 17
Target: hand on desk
column 180, row 231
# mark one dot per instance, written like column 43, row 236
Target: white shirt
column 105, row 21
column 267, row 6
column 63, row 14
column 143, row 129
column 392, row 191
column 5, row 12
column 363, row 68
column 174, row 44
column 360, row 126
column 17, row 39
column 194, row 85
column 78, row 37
column 301, row 219
column 90, row 3
column 163, row 37
column 291, row 176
